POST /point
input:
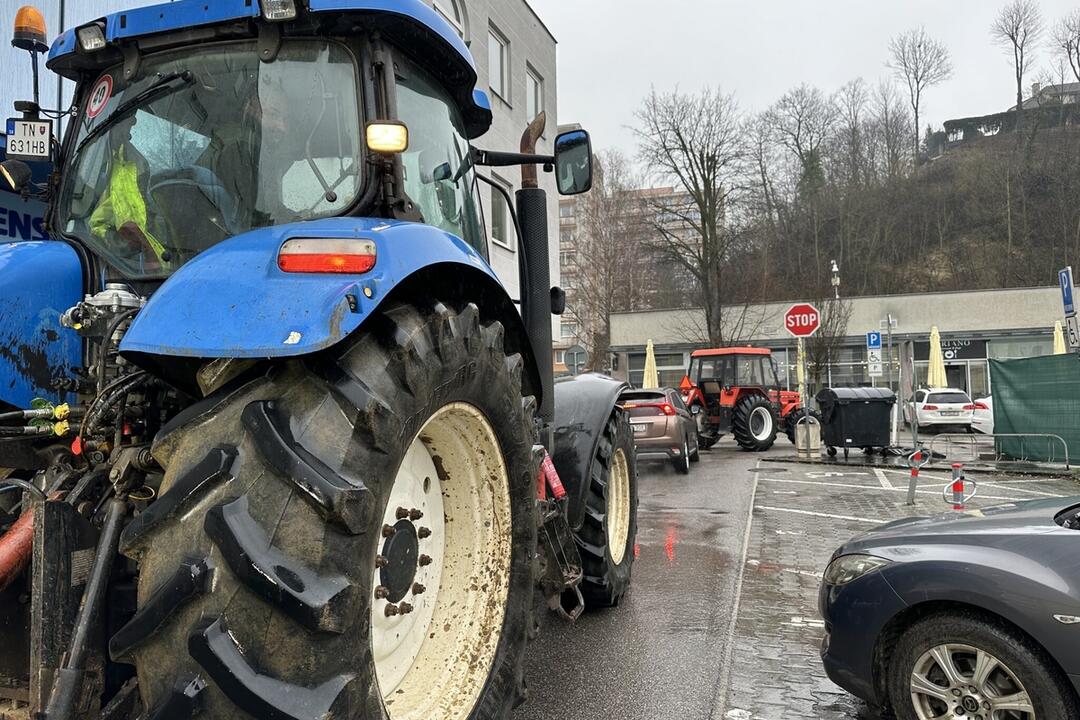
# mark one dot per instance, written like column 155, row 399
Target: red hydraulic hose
column 15, row 548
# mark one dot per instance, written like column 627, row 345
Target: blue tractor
column 275, row 441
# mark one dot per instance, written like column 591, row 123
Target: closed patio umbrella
column 651, row 380
column 1059, row 339
column 935, row 372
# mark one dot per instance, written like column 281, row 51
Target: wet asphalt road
column 721, row 622
column 661, row 653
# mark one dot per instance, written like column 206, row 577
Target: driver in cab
column 121, row 216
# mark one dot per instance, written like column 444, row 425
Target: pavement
column 721, row 622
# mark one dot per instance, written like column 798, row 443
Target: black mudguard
column 582, row 407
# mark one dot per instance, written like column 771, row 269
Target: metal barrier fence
column 973, row 442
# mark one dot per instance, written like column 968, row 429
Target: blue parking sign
column 873, row 341
column 1065, row 280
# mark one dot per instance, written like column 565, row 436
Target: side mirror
column 16, row 174
column 573, row 162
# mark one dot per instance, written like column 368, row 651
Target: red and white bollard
column 958, row 486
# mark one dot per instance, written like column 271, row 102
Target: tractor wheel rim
column 760, row 423
column 434, row 659
column 963, row 681
column 618, row 506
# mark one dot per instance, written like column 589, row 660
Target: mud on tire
column 606, row 538
column 258, row 559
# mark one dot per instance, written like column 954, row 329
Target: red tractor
column 737, row 390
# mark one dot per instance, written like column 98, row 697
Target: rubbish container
column 855, row 418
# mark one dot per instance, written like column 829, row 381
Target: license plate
column 29, row 139
column 639, row 428
column 950, row 413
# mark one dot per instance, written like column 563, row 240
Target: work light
column 91, row 37
column 279, row 10
column 387, row 137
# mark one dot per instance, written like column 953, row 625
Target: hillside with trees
column 770, row 199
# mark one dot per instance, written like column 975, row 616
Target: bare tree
column 608, row 270
column 1067, row 40
column 822, row 348
column 892, row 127
column 852, row 101
column 694, row 142
column 921, row 62
column 802, row 120
column 1017, row 29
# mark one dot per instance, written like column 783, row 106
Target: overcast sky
column 612, row 51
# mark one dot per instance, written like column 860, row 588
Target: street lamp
column 836, row 280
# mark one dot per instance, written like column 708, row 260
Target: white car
column 938, row 407
column 983, row 417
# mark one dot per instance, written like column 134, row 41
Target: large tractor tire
column 606, row 539
column 753, row 423
column 351, row 536
column 793, row 417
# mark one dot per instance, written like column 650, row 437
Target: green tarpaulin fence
column 1037, row 395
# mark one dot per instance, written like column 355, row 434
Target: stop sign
column 802, row 320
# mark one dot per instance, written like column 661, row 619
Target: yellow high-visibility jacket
column 122, row 203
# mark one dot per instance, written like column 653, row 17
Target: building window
column 566, row 259
column 566, row 236
column 568, row 330
column 500, row 215
column 534, row 94
column 451, row 10
column 498, row 63
column 566, row 211
column 560, row 357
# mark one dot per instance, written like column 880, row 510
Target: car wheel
column 696, row 455
column 965, row 665
column 682, row 463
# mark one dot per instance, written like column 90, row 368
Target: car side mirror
column 573, row 162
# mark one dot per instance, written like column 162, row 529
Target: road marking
column 831, row 473
column 719, row 700
column 780, row 568
column 883, row 480
column 871, row 521
column 888, row 489
column 801, row 622
column 1019, row 489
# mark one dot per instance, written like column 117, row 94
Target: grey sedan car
column 969, row 616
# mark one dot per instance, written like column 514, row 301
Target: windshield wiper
column 163, row 86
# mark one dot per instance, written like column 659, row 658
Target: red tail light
column 668, row 409
column 969, row 407
column 980, row 406
column 327, row 255
column 929, row 407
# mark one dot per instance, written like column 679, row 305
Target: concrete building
column 975, row 326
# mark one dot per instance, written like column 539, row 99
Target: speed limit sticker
column 99, row 96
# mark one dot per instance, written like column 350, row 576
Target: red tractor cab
column 737, row 390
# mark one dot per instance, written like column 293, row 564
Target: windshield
column 210, row 143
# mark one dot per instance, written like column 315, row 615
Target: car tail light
column 929, row 407
column 980, row 406
column 327, row 255
column 668, row 409
column 969, row 407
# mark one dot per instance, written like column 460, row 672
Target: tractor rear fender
column 583, row 405
column 233, row 301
